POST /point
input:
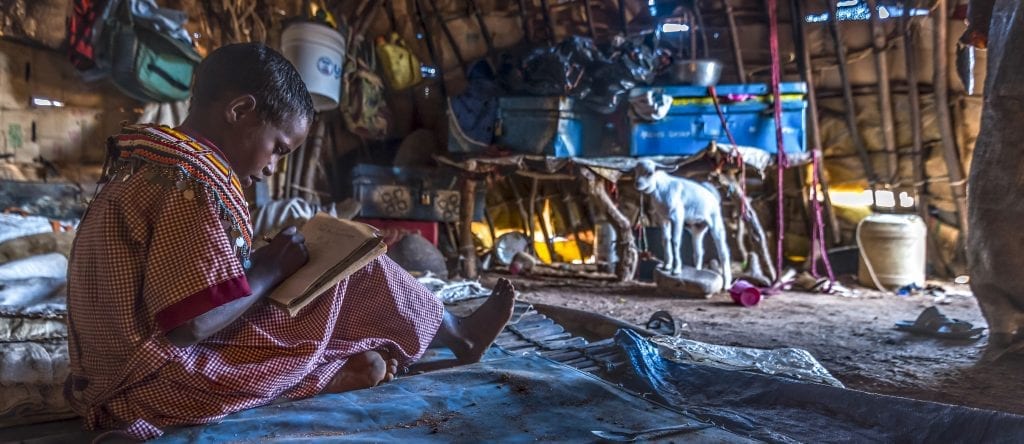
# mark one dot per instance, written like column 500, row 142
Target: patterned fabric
column 154, row 250
column 202, row 162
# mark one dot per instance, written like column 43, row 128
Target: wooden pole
column 623, row 21
column 799, row 39
column 484, row 30
column 533, row 212
column 316, row 148
column 691, row 20
column 526, row 217
column 879, row 45
column 548, row 241
column 699, row 18
column 490, row 226
column 590, row 19
column 546, row 12
column 627, row 251
column 914, row 101
column 295, row 170
column 525, row 21
column 917, row 140
column 734, row 38
column 850, row 105
column 443, row 22
column 467, row 247
column 957, row 182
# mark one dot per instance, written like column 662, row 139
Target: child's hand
column 285, row 254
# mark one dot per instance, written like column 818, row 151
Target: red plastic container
column 744, row 293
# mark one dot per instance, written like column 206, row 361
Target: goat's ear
column 668, row 169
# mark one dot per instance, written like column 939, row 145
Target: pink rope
column 739, row 156
column 818, row 230
column 819, row 223
column 781, row 161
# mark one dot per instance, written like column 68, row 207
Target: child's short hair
column 253, row 68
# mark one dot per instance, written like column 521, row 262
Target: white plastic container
column 892, row 251
column 318, row 52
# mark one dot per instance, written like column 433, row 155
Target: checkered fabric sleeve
column 192, row 266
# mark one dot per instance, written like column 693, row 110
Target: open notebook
column 337, row 248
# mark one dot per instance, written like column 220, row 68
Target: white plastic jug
column 892, row 251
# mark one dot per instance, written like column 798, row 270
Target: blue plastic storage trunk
column 555, row 126
column 692, row 122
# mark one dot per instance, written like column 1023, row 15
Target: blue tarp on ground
column 784, row 410
column 530, row 398
column 516, row 399
column 511, row 399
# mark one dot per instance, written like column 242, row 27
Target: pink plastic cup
column 744, row 293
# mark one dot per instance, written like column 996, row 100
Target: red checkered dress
column 157, row 248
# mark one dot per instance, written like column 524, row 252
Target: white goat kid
column 679, row 203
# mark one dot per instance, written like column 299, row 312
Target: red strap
column 781, row 161
column 738, row 156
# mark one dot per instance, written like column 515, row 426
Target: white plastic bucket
column 892, row 251
column 318, row 52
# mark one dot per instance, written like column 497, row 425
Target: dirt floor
column 854, row 337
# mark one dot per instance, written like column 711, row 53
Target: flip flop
column 933, row 323
column 662, row 322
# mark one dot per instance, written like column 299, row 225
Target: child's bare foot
column 469, row 337
column 364, row 370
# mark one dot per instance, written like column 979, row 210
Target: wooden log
column 443, row 22
column 312, row 160
column 528, row 226
column 524, row 21
column 590, row 19
column 879, row 44
column 467, row 247
column 917, row 140
column 850, row 105
column 734, row 38
column 623, row 21
column 490, row 226
column 434, row 52
column 548, row 241
column 532, row 211
column 957, row 182
column 914, row 99
column 294, row 171
column 800, row 38
column 699, row 19
column 546, row 12
column 627, row 251
column 484, row 30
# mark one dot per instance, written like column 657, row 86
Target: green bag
column 146, row 64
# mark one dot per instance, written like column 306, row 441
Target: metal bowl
column 508, row 244
column 697, row 72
